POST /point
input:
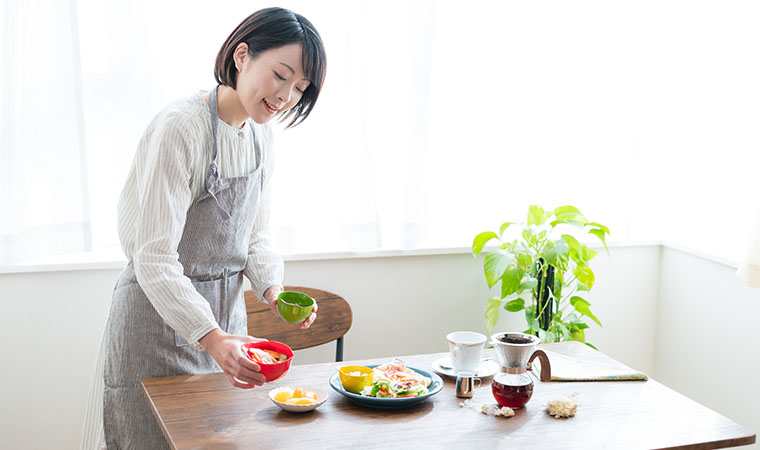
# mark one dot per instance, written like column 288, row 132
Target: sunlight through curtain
column 43, row 205
column 438, row 119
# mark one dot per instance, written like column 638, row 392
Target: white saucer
column 487, row 369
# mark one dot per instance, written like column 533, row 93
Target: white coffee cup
column 466, row 349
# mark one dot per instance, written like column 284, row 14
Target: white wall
column 412, row 302
column 50, row 329
column 707, row 335
column 52, row 323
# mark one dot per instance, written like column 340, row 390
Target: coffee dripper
column 513, row 386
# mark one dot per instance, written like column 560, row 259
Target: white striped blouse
column 167, row 175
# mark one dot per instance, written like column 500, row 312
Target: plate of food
column 392, row 385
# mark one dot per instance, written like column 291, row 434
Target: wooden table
column 205, row 411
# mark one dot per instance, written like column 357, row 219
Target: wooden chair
column 333, row 321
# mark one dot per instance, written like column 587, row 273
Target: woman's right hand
column 225, row 349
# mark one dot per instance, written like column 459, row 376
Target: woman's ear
column 240, row 56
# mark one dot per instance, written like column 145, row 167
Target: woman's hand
column 307, row 323
column 225, row 349
column 271, row 296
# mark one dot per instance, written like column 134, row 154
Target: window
column 438, row 119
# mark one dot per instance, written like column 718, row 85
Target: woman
column 193, row 218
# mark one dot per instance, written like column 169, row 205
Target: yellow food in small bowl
column 300, row 399
column 295, row 396
column 355, row 378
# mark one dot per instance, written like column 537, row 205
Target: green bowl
column 294, row 307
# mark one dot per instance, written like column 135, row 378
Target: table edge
column 154, row 411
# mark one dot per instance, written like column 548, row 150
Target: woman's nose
column 284, row 95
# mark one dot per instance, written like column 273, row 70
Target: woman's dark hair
column 272, row 28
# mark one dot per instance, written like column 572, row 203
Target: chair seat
column 334, row 319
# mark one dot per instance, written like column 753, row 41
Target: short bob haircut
column 272, row 28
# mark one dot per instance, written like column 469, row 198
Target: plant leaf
column 492, row 313
column 527, row 282
column 562, row 329
column 599, row 225
column 591, row 346
column 527, row 235
column 575, row 300
column 504, row 227
column 576, row 328
column 480, row 241
column 515, row 305
column 547, row 250
column 575, row 247
column 582, row 306
column 510, row 282
column 585, row 275
column 562, row 210
column 557, row 289
column 494, row 265
column 524, row 260
column 600, row 235
column 536, row 215
column 530, row 318
column 568, row 214
column 556, row 252
column 578, row 335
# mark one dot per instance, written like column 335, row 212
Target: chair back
column 334, row 319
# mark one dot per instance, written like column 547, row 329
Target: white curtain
column 43, row 188
column 442, row 119
column 439, row 119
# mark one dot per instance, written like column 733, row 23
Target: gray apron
column 213, row 252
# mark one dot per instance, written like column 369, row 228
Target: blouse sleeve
column 264, row 267
column 164, row 174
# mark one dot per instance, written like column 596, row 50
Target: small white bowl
column 321, row 398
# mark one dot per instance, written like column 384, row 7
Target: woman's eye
column 279, row 77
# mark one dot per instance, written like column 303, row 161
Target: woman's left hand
column 271, row 296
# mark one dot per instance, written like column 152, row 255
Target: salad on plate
column 395, row 380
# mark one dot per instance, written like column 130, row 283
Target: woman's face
column 271, row 83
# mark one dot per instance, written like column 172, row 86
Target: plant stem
column 546, row 296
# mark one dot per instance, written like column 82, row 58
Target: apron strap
column 212, row 176
column 214, row 105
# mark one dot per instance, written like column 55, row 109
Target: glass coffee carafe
column 513, row 386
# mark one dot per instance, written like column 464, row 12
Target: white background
column 439, row 119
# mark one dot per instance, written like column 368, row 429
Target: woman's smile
column 271, row 109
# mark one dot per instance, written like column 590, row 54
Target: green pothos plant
column 543, row 267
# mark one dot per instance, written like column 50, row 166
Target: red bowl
column 274, row 371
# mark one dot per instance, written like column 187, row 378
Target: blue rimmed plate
column 390, row 403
